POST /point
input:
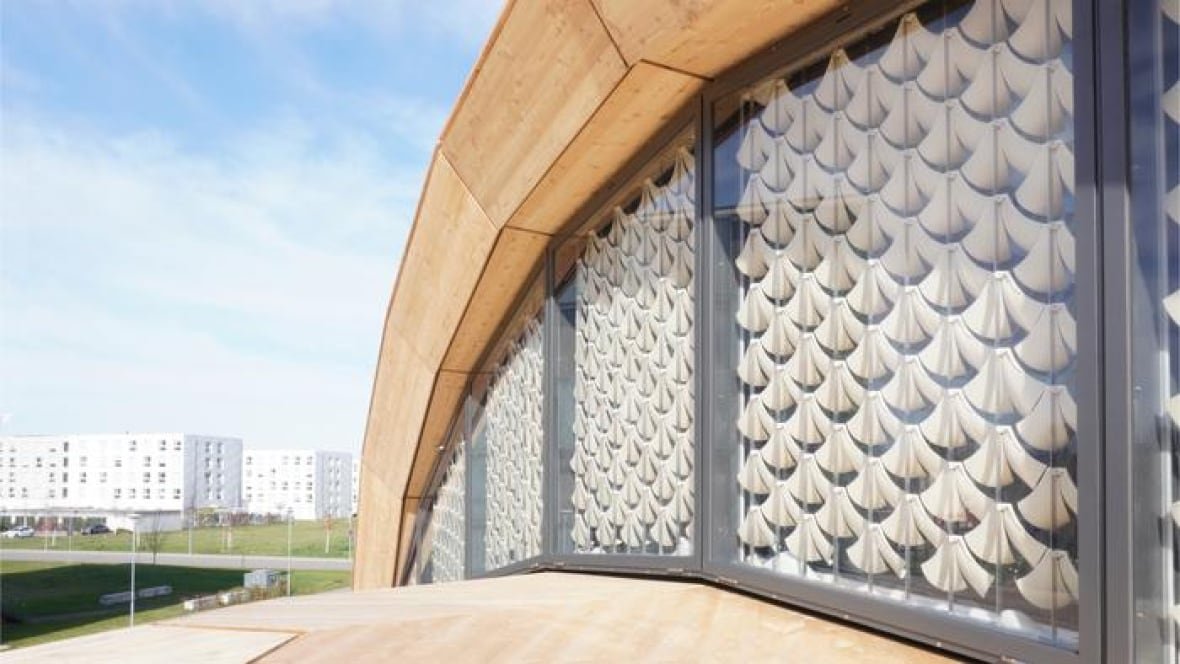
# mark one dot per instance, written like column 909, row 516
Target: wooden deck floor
column 546, row 617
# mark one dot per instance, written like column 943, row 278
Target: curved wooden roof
column 565, row 93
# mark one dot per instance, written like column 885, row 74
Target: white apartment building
column 312, row 484
column 114, row 475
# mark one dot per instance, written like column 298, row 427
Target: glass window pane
column 513, row 413
column 439, row 553
column 477, row 488
column 904, row 315
column 625, row 404
column 447, row 525
column 1154, row 113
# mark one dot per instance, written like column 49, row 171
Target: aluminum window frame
column 1116, row 47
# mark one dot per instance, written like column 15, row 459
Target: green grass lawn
column 307, row 540
column 43, row 602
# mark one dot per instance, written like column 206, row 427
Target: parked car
column 96, row 529
column 19, row 531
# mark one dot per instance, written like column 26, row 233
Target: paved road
column 183, row 559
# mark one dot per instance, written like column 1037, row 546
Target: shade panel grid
column 514, row 452
column 633, row 456
column 446, row 532
column 906, row 323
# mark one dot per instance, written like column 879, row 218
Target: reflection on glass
column 1154, row 113
column 477, row 483
column 906, row 315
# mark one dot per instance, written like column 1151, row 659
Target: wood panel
column 446, row 404
column 644, row 102
column 153, row 643
column 552, row 617
column 379, row 512
column 444, row 258
column 515, row 258
column 550, row 66
column 704, row 37
column 401, row 392
column 409, row 521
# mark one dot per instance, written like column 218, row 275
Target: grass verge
column 42, row 602
column 308, row 540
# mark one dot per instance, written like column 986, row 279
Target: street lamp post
column 134, row 529
column 289, row 521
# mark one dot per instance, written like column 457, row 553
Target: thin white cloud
column 16, row 79
column 469, row 21
column 149, row 288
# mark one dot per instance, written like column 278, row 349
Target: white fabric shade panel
column 446, row 533
column 906, row 320
column 514, row 470
column 633, row 359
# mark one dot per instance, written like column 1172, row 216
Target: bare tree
column 155, row 536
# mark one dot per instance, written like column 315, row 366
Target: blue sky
column 203, row 204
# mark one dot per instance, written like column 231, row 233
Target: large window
column 904, row 321
column 626, row 357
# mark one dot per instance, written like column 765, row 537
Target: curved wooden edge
column 563, row 96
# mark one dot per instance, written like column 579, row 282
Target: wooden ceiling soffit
column 401, row 393
column 444, row 257
column 407, row 521
column 551, row 65
column 704, row 37
column 446, row 403
column 646, row 100
column 516, row 257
